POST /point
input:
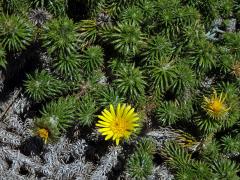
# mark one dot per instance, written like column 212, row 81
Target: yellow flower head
column 43, row 133
column 119, row 124
column 215, row 106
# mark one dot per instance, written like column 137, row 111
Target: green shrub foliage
column 60, row 113
column 176, row 62
column 15, row 33
column 67, row 66
column 130, row 81
column 92, row 59
column 42, row 85
column 126, row 37
column 86, row 111
column 56, row 7
column 108, row 95
column 168, row 113
column 3, row 60
column 140, row 163
column 60, row 37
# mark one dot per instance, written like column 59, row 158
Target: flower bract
column 118, row 123
column 215, row 106
column 43, row 133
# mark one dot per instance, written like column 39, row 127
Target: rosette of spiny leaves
column 41, row 86
column 56, row 7
column 14, row 6
column 92, row 59
column 232, row 42
column 86, row 110
column 168, row 113
column 124, row 2
column 196, row 170
column 92, row 3
column 61, row 113
column 185, row 82
column 126, row 38
column 225, row 168
column 46, row 130
column 222, row 167
column 203, row 55
column 236, row 9
column 190, row 35
column 180, row 160
column 218, row 110
column 140, row 163
column 91, row 83
column 157, row 48
column 226, row 62
column 187, row 168
column 207, row 8
column 225, row 8
column 173, row 17
column 88, row 31
column 15, row 33
column 162, row 76
column 148, row 10
column 115, row 63
column 3, row 61
column 232, row 100
column 55, row 118
column 130, row 82
column 103, row 6
column 211, row 149
column 188, row 16
column 116, row 6
column 230, row 145
column 60, row 37
column 132, row 14
column 177, row 157
column 68, row 66
column 108, row 95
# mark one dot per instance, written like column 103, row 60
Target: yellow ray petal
column 126, row 110
column 112, row 111
column 107, row 114
column 117, row 141
column 107, row 132
column 103, row 130
column 104, row 123
column 118, row 109
column 114, row 136
column 135, row 125
column 100, row 125
column 104, row 118
column 109, row 136
column 127, row 134
column 130, row 113
column 135, row 119
column 121, row 110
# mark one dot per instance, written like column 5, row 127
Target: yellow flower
column 119, row 124
column 43, row 133
column 215, row 106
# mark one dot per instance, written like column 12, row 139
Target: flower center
column 216, row 106
column 119, row 126
column 43, row 133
